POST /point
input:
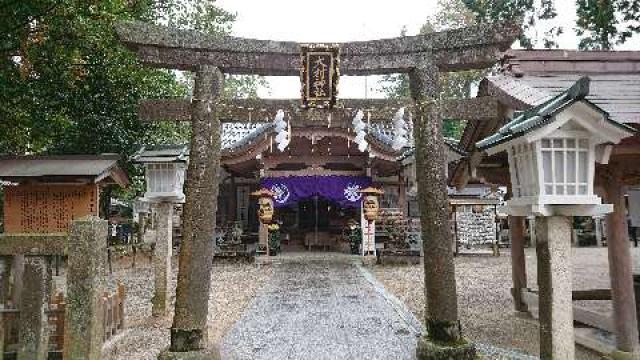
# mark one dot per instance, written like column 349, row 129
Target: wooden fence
column 112, row 307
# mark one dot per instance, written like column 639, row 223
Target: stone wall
column 475, row 228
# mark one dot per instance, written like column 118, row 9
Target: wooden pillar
column 620, row 268
column 553, row 250
column 402, row 194
column 233, row 199
column 532, row 232
column 518, row 261
column 33, row 342
column 189, row 331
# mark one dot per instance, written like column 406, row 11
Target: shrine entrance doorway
column 314, row 212
column 316, row 223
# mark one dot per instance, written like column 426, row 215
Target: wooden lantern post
column 265, row 214
column 370, row 213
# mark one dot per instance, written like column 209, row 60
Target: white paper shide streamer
column 283, row 138
column 359, row 127
column 400, row 131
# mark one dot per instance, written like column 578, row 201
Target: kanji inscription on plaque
column 319, row 75
column 47, row 208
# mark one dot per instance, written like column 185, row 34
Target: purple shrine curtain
column 340, row 189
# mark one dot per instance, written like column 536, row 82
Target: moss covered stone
column 429, row 350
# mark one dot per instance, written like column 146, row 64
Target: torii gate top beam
column 467, row 48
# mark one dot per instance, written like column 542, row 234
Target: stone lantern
column 165, row 168
column 265, row 205
column 552, row 150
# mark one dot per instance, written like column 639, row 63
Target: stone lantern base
column 204, row 354
column 429, row 350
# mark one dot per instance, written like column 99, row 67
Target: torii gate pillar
column 443, row 326
column 189, row 335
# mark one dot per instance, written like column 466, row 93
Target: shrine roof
column 96, row 168
column 162, row 154
column 543, row 114
column 531, row 77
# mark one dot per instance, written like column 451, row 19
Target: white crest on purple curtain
column 352, row 192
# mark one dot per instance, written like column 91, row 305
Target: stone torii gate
column 423, row 57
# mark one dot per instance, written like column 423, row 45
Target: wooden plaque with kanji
column 47, row 208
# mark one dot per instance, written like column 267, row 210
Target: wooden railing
column 113, row 307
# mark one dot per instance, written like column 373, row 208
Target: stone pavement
column 328, row 308
column 320, row 310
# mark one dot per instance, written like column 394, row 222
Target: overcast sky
column 349, row 20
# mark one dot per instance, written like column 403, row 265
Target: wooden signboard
column 319, row 75
column 47, row 208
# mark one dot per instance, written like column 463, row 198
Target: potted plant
column 274, row 238
column 355, row 236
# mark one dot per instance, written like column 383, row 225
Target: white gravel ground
column 233, row 285
column 484, row 298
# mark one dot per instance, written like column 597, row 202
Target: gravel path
column 233, row 285
column 321, row 310
column 484, row 298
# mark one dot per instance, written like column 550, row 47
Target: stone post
column 518, row 261
column 16, row 287
column 597, row 227
column 620, row 268
column 86, row 271
column 162, row 259
column 33, row 342
column 5, row 273
column 189, row 329
column 553, row 250
column 444, row 338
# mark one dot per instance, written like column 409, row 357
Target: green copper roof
column 543, row 114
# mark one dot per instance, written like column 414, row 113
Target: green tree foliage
column 69, row 86
column 602, row 24
column 452, row 14
column 536, row 17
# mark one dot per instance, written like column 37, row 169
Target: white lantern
column 165, row 168
column 552, row 150
column 165, row 181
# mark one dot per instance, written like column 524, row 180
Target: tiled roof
column 543, row 114
column 617, row 94
column 236, row 135
column 96, row 167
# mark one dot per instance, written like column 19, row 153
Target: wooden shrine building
column 43, row 194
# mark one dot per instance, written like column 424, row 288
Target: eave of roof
column 544, row 114
column 96, row 168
